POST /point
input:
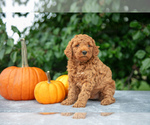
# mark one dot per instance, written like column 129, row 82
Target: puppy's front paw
column 79, row 105
column 67, row 102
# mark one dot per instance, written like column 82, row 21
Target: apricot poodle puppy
column 89, row 77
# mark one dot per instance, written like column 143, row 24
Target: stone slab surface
column 130, row 108
column 90, row 119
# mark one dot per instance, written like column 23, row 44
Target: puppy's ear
column 68, row 50
column 95, row 49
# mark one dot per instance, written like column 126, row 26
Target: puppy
column 89, row 77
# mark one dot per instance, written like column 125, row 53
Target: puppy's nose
column 84, row 52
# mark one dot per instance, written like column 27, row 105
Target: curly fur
column 89, row 77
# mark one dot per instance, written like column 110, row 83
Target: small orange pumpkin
column 49, row 92
column 18, row 83
column 64, row 80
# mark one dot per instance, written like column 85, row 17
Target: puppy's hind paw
column 107, row 101
column 67, row 102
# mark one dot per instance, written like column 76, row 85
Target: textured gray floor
column 130, row 108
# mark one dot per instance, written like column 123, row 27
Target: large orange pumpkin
column 64, row 80
column 18, row 83
column 49, row 92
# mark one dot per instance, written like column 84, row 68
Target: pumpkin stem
column 24, row 53
column 48, row 76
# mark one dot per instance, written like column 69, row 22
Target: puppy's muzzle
column 84, row 52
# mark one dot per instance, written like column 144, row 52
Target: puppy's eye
column 89, row 45
column 77, row 45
